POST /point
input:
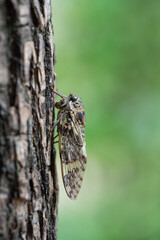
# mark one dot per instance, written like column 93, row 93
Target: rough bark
column 28, row 183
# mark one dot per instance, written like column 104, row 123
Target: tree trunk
column 28, row 182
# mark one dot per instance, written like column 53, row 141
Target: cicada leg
column 55, row 136
column 55, row 124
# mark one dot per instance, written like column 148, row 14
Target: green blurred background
column 108, row 53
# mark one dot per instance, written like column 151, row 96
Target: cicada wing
column 73, row 159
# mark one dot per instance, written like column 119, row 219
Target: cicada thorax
column 79, row 113
column 80, row 116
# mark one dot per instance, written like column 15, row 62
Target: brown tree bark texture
column 28, row 182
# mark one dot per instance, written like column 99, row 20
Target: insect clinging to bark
column 72, row 145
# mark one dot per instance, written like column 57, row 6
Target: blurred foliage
column 108, row 54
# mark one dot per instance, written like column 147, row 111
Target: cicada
column 72, row 145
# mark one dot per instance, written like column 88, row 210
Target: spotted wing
column 72, row 147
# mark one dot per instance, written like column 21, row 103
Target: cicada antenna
column 60, row 95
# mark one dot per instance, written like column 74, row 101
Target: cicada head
column 73, row 103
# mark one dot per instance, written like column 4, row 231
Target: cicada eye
column 74, row 98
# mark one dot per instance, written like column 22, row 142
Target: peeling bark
column 28, row 181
